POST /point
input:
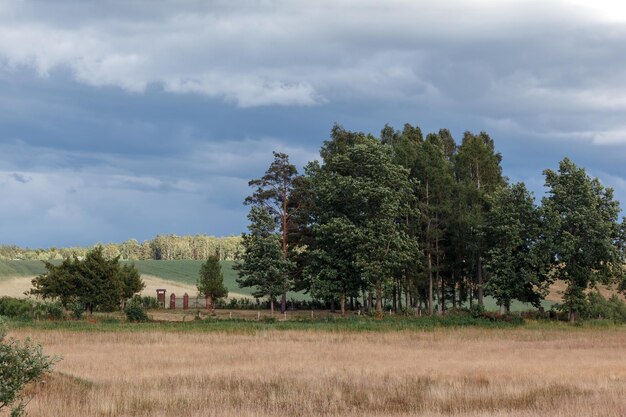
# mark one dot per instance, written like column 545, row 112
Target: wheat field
column 468, row 372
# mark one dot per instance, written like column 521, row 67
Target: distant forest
column 165, row 247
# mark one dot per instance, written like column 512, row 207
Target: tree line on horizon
column 425, row 223
column 162, row 247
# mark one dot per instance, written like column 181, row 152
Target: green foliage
column 595, row 307
column 262, row 265
column 583, row 233
column 162, row 247
column 149, row 302
column 272, row 192
column 477, row 310
column 21, row 363
column 360, row 195
column 135, row 310
column 211, row 280
column 54, row 310
column 516, row 259
column 77, row 308
column 97, row 282
column 25, row 309
column 16, row 308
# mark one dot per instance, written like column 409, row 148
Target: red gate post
column 185, row 302
column 161, row 297
column 173, row 301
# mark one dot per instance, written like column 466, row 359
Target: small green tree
column 262, row 265
column 21, row 363
column 211, row 281
column 130, row 282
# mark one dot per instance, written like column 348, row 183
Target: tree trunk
column 365, row 306
column 406, row 294
column 453, row 292
column 209, row 303
column 480, row 281
column 283, row 302
column 379, row 301
column 430, row 284
column 272, row 306
column 342, row 302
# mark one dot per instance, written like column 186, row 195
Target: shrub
column 477, row 310
column 20, row 364
column 77, row 308
column 149, row 302
column 16, row 308
column 135, row 310
column 54, row 311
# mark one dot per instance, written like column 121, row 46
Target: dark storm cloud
column 137, row 118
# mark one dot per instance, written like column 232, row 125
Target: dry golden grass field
column 468, row 372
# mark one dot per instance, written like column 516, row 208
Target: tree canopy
column 95, row 281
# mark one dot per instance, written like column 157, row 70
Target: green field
column 9, row 269
column 181, row 271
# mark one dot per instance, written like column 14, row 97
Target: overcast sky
column 124, row 119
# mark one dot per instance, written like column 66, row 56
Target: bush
column 135, row 310
column 149, row 302
column 54, row 311
column 598, row 307
column 78, row 309
column 16, row 308
column 20, row 364
column 477, row 310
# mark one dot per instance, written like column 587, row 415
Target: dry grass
column 470, row 372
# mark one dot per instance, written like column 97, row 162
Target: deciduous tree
column 581, row 225
column 516, row 257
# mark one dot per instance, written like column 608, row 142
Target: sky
column 127, row 119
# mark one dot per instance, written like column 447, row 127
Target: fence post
column 186, row 302
column 173, row 301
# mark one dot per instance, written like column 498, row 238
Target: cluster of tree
column 95, row 282
column 425, row 223
column 167, row 247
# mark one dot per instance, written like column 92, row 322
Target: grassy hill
column 187, row 271
column 179, row 271
column 10, row 269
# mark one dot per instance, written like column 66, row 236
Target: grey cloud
column 276, row 53
column 21, row 178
